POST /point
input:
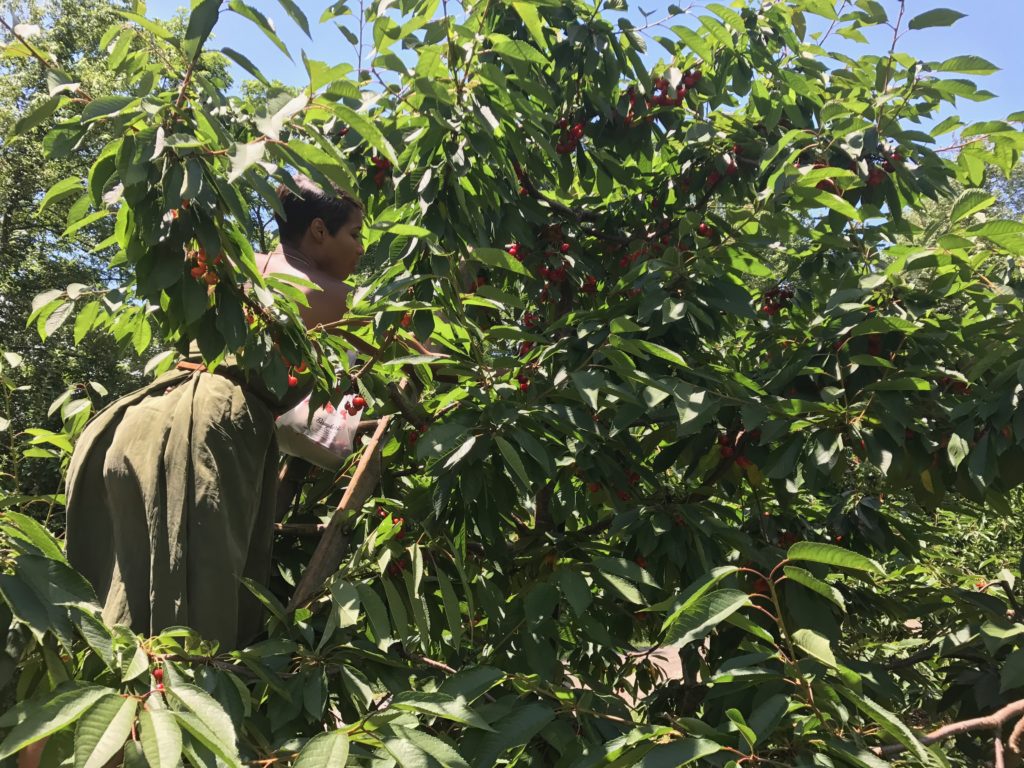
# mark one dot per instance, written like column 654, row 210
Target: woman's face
column 338, row 254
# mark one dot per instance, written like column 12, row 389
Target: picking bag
column 326, row 440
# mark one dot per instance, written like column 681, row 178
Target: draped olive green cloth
column 170, row 502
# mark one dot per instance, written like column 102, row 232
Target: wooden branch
column 993, row 722
column 1016, row 740
column 331, row 550
column 300, row 529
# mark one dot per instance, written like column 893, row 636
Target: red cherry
column 564, row 248
column 358, row 402
column 406, row 320
column 158, row 674
column 705, row 230
column 198, row 272
column 201, row 255
column 211, row 278
column 292, row 380
column 524, row 385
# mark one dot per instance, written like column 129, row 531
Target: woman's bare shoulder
column 327, row 301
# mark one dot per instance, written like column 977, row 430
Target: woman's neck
column 294, row 256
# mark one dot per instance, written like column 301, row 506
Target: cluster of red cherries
column 202, row 270
column 570, row 137
column 383, row 170
column 777, row 298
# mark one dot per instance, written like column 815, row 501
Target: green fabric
column 171, row 494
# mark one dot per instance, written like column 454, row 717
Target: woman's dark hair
column 334, row 207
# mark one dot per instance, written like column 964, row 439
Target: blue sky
column 993, row 29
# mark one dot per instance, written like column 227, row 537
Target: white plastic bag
column 326, row 439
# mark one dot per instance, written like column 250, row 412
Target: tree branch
column 993, row 722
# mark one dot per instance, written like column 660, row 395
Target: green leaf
column 829, row 554
column 325, row 750
column 48, row 714
column 969, row 202
column 891, row 725
column 696, row 620
column 938, row 17
column 266, row 25
column 814, row 644
column 244, row 156
column 376, row 611
column 679, row 752
column 58, row 191
column 900, row 384
column 495, row 257
column 807, row 579
column 512, row 458
column 37, row 115
column 245, row 63
column 50, row 322
column 200, row 23
column 103, row 730
column 161, row 738
column 208, row 709
column 452, row 612
column 32, row 531
column 105, row 106
column 517, row 50
column 296, row 14
column 835, row 203
column 433, row 746
column 957, row 450
column 137, row 666
column 210, row 739
column 514, row 730
column 968, row 65
column 459, row 454
column 149, row 25
column 531, row 18
column 367, row 129
column 438, row 704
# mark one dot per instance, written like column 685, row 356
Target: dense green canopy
column 730, row 365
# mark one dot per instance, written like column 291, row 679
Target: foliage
column 704, row 383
